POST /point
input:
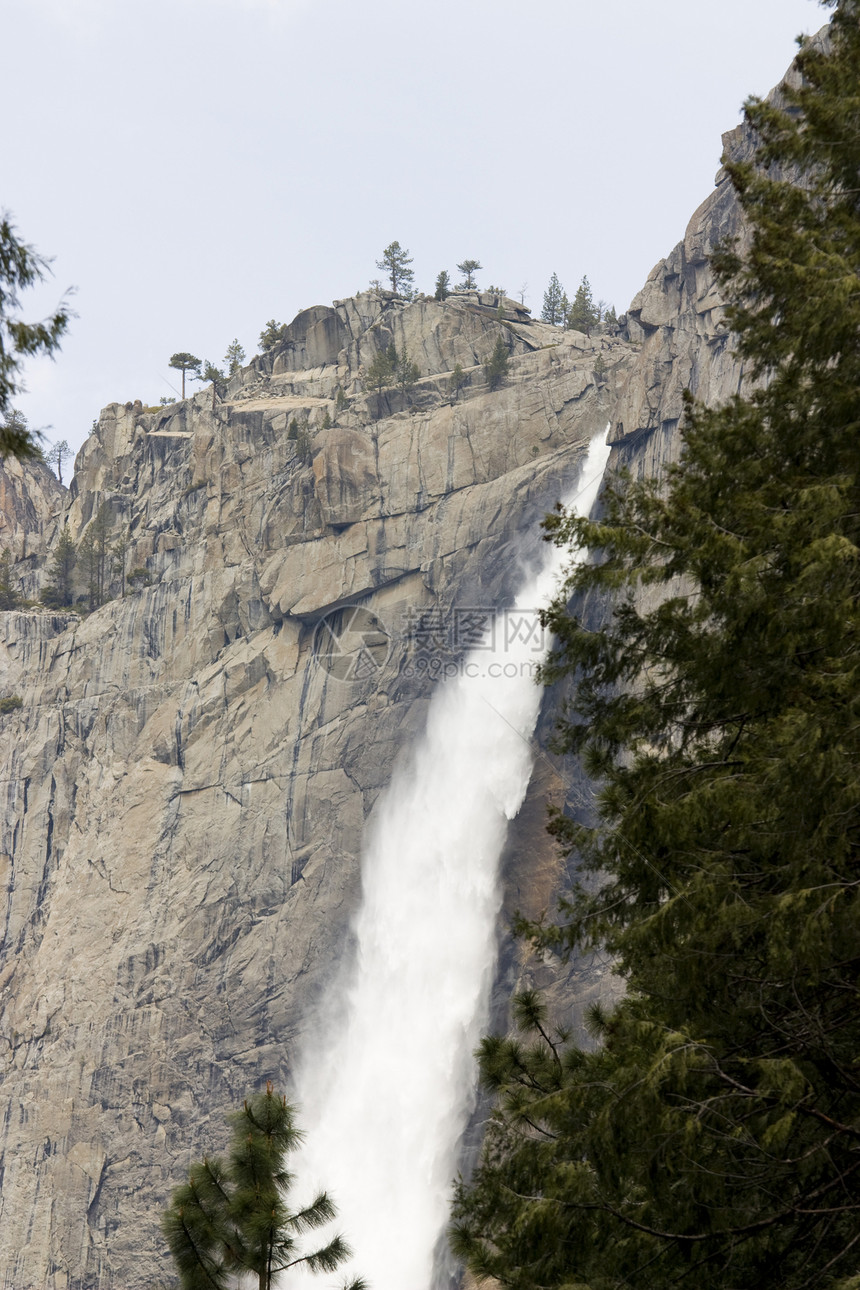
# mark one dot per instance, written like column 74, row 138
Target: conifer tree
column 457, row 380
column 56, row 455
column 712, row 1137
column 232, row 1219
column 272, row 334
column 496, row 367
column 406, row 373
column 469, row 268
column 210, row 373
column 380, row 371
column 443, row 286
column 9, row 597
column 184, row 362
column 59, row 591
column 553, row 298
column 92, row 555
column 396, row 261
column 234, row 358
column 20, row 267
column 583, row 312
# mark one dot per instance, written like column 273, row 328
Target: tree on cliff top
column 553, row 307
column 272, row 334
column 583, row 313
column 232, row 1218
column 56, row 455
column 395, row 262
column 468, row 269
column 713, row 1135
column 21, row 267
column 184, row 362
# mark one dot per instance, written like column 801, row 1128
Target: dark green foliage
column 234, row 358
column 293, row 430
column 303, row 441
column 184, row 362
column 457, row 380
column 496, row 367
column 21, row 267
column 16, row 437
column 712, row 1137
column 9, row 597
column 10, row 703
column 553, row 303
column 59, row 591
column 380, row 371
column 396, row 261
column 272, row 334
column 610, row 317
column 326, row 421
column 599, row 369
column 443, row 286
column 232, row 1218
column 210, row 373
column 468, row 269
column 583, row 315
column 341, row 401
column 406, row 373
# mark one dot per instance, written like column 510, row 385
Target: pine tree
column 234, row 358
column 711, row 1136
column 395, row 261
column 232, row 1218
column 119, row 557
column 9, row 597
column 406, row 373
column 380, row 371
column 59, row 591
column 583, row 312
column 457, row 380
column 443, row 286
column 496, row 367
column 56, row 455
column 210, row 373
column 184, row 362
column 92, row 555
column 272, row 334
column 469, row 268
column 21, row 267
column 552, row 311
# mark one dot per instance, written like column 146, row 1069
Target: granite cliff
column 189, row 771
column 185, row 783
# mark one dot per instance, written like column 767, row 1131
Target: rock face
column 188, row 775
column 31, row 509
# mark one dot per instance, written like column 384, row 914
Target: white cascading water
column 387, row 1092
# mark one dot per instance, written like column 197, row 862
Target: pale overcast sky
column 196, row 167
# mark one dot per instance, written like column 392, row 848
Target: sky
column 194, row 168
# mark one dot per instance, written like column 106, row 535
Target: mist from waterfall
column 386, row 1093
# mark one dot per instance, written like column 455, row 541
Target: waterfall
column 386, row 1096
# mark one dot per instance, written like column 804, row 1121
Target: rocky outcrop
column 31, row 508
column 187, row 778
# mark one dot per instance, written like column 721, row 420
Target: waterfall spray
column 386, row 1098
